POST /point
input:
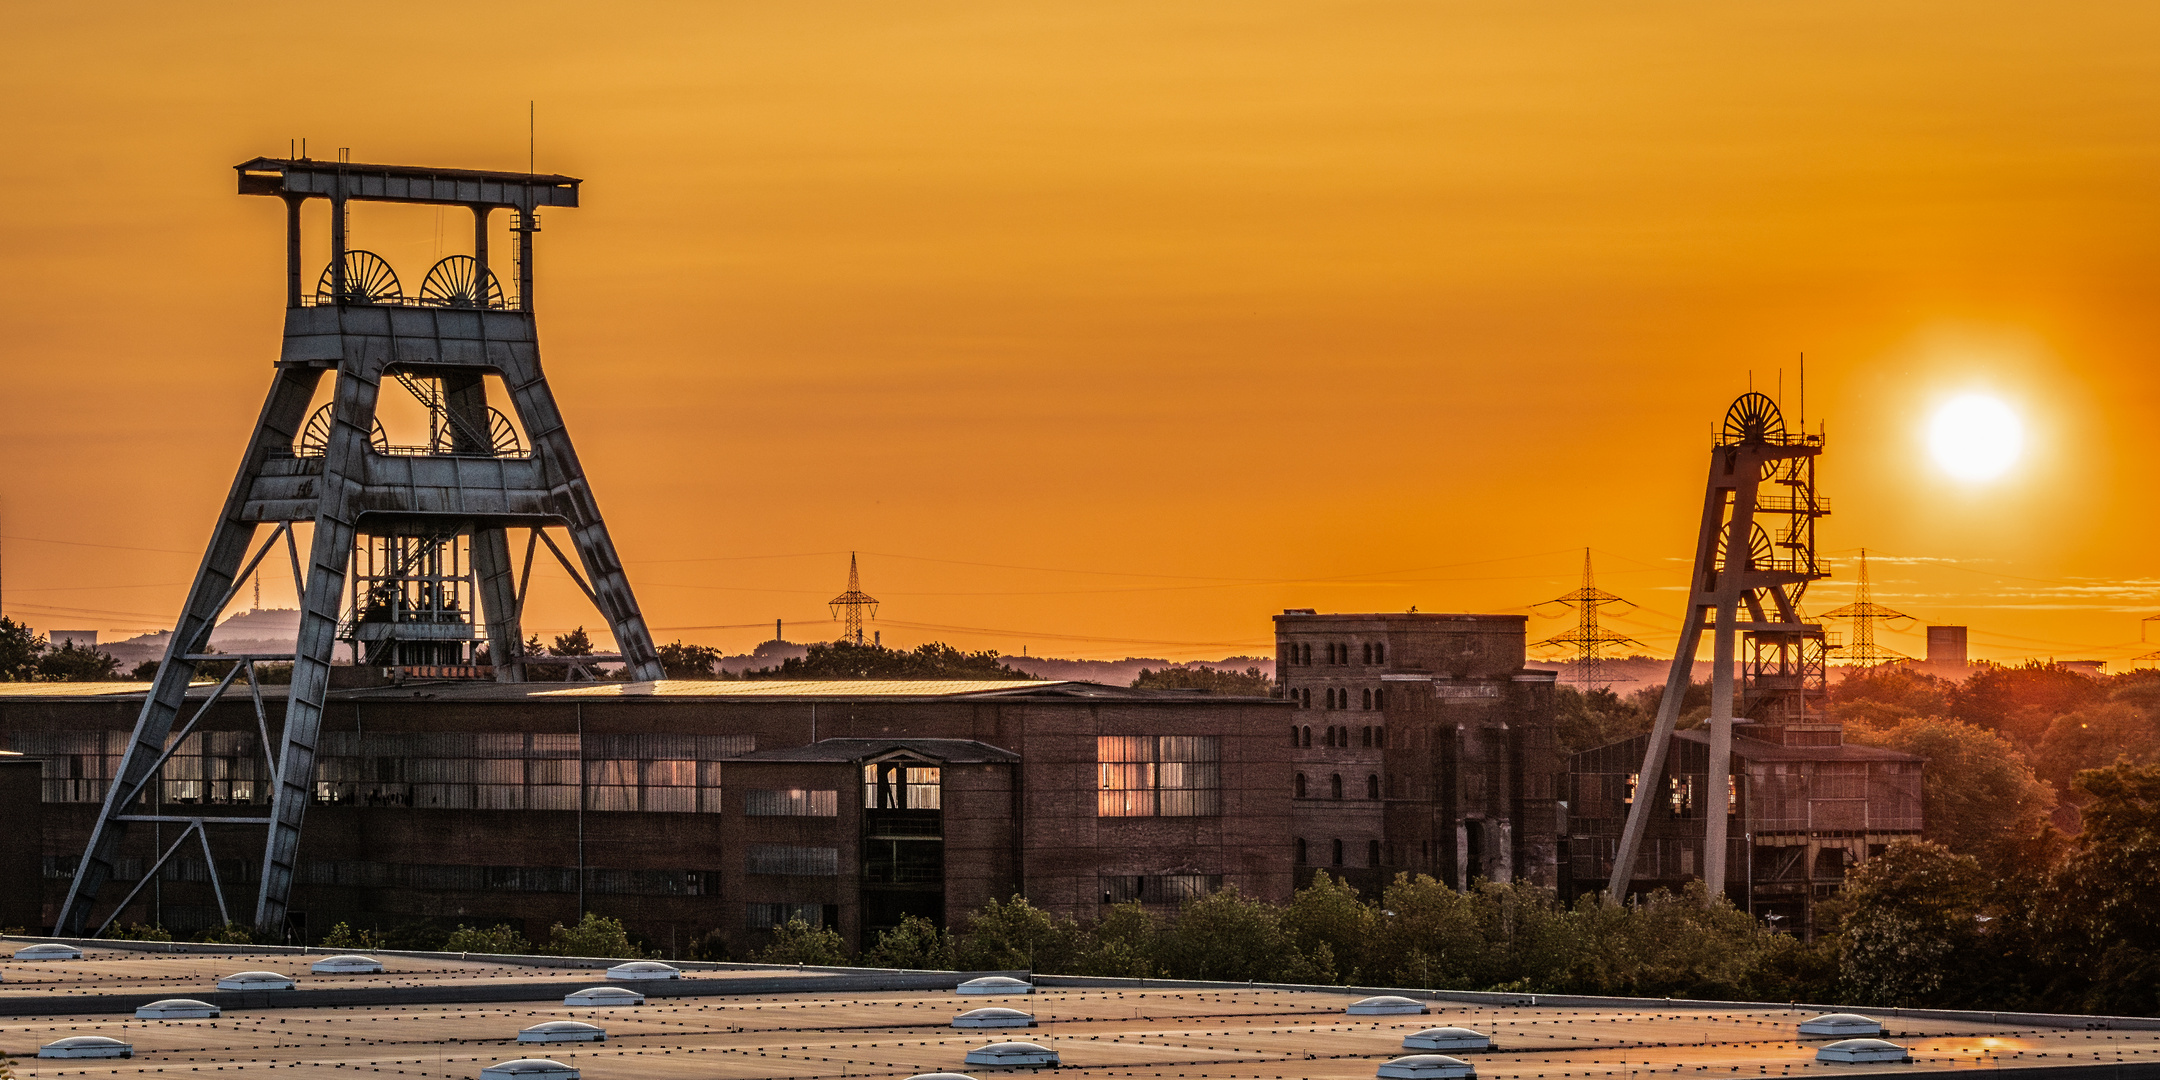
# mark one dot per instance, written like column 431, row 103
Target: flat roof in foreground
column 1100, row 1031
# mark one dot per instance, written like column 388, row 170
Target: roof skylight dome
column 1447, row 1038
column 529, row 1069
column 996, row 984
column 1862, row 1050
column 1012, row 1053
column 644, row 969
column 1428, row 1067
column 603, row 996
column 940, row 1076
column 1842, row 1025
column 347, row 965
column 993, row 1018
column 562, row 1031
column 255, row 980
column 178, row 1009
column 1386, row 1005
column 87, row 1046
column 51, row 950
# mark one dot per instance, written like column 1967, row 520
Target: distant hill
column 271, row 630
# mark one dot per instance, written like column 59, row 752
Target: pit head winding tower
column 409, row 559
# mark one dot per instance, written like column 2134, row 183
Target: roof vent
column 996, row 984
column 1428, row 1067
column 529, row 1069
column 993, row 1018
column 644, row 969
column 87, row 1046
column 1855, row 1050
column 48, row 951
column 604, row 995
column 1447, row 1038
column 255, row 980
column 562, row 1031
column 1842, row 1025
column 1012, row 1053
column 1386, row 1006
column 347, row 965
column 178, row 1009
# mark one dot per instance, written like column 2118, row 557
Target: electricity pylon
column 1865, row 613
column 853, row 603
column 1588, row 640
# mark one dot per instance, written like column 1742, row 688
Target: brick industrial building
column 681, row 807
column 1422, row 744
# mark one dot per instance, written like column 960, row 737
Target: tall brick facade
column 1421, row 744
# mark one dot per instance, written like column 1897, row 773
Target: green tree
column 575, row 643
column 2023, row 702
column 2104, row 926
column 1015, row 935
column 1122, row 944
column 72, row 663
column 231, row 933
column 847, row 660
column 2093, row 737
column 1912, row 925
column 136, row 932
column 798, row 942
column 1329, row 925
column 1229, row 937
column 19, row 651
column 499, row 939
column 343, row 936
column 713, row 946
column 1252, row 682
column 916, row 944
column 594, row 935
column 1978, row 797
column 682, row 661
column 1586, row 721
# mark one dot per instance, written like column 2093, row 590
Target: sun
column 1975, row 437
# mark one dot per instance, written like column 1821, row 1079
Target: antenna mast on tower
column 1588, row 640
column 853, row 602
column 1864, row 612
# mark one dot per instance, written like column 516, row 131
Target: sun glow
column 1975, row 437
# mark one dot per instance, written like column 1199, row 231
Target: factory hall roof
column 434, row 1019
column 481, row 690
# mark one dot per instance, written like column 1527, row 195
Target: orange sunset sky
column 1106, row 329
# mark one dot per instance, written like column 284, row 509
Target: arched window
column 1338, row 853
column 1293, row 735
column 1327, row 735
column 1372, row 786
column 1368, row 702
column 1308, row 729
column 1365, row 736
column 1300, row 845
column 1305, row 655
column 1305, row 700
column 1372, row 852
column 1379, row 652
column 1379, row 698
column 1335, row 786
column 1301, row 785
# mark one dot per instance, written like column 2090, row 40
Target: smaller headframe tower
column 1747, row 579
column 410, row 544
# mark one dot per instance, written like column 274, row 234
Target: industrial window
column 1158, row 888
column 1335, row 787
column 472, row 771
column 1338, row 853
column 769, row 916
column 1372, row 786
column 1301, row 785
column 791, row 802
column 889, row 785
column 1372, row 852
column 1158, row 776
column 792, row 860
column 1299, row 844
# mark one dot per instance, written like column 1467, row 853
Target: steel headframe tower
column 1865, row 613
column 852, row 604
column 1588, row 640
column 1740, row 570
column 403, row 516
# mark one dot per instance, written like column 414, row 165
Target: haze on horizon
column 1115, row 329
